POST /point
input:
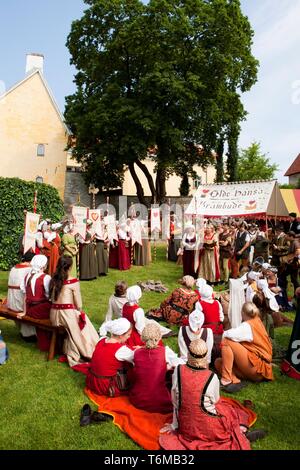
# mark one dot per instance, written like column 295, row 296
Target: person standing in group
column 226, row 252
column 241, row 250
column 189, row 245
column 209, row 256
column 69, row 246
column 87, row 255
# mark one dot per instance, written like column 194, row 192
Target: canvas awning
column 253, row 199
column 291, row 199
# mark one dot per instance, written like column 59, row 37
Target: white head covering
column 115, row 327
column 89, row 222
column 266, row 266
column 253, row 275
column 133, row 294
column 37, row 263
column 262, row 284
column 41, row 224
column 198, row 306
column 196, row 320
column 56, row 226
column 206, row 293
column 200, row 283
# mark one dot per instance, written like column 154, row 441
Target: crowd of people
column 224, row 341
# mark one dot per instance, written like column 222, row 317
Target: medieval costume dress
column 69, row 246
column 149, row 390
column 209, row 258
column 124, row 251
column 16, row 298
column 51, row 247
column 189, row 243
column 177, row 307
column 87, row 258
column 201, row 419
column 110, row 357
column 102, row 254
column 66, row 311
column 36, row 288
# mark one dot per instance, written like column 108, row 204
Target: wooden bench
column 43, row 324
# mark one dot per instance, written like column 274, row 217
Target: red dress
column 149, row 391
column 124, row 258
column 212, row 316
column 101, row 377
column 198, row 428
column 135, row 337
column 38, row 306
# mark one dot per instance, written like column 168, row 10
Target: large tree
column 254, row 165
column 166, row 75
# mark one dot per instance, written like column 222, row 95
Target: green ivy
column 16, row 196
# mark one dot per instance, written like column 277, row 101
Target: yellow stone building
column 33, row 136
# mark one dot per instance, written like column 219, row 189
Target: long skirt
column 141, row 253
column 188, row 259
column 79, row 344
column 102, row 257
column 41, row 312
column 124, row 256
column 87, row 262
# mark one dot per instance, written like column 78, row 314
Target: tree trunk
column 139, row 188
column 161, row 191
column 220, row 161
column 184, row 188
column 146, row 172
column 232, row 161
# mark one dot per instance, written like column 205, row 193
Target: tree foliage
column 166, row 75
column 253, row 165
column 16, row 196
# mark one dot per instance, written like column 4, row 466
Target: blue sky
column 273, row 103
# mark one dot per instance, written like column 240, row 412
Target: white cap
column 133, row 293
column 115, row 327
column 196, row 320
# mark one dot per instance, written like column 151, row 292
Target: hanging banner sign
column 95, row 216
column 79, row 218
column 155, row 219
column 31, row 229
column 234, row 199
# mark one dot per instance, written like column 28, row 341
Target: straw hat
column 197, row 354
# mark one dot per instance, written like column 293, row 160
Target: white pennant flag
column 31, row 228
column 136, row 232
column 95, row 216
column 155, row 219
column 110, row 223
column 79, row 217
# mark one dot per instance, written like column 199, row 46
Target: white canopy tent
column 255, row 199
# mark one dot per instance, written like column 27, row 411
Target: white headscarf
column 38, row 263
column 266, row 266
column 115, row 327
column 206, row 293
column 254, row 276
column 262, row 284
column 200, row 284
column 196, row 320
column 56, row 226
column 133, row 294
column 42, row 223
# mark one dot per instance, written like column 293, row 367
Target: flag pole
column 35, row 201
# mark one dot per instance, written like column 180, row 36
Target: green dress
column 69, row 247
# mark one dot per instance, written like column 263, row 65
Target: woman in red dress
column 201, row 419
column 110, row 356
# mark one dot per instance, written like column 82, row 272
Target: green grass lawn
column 41, row 401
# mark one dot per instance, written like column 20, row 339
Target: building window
column 39, row 179
column 40, row 150
column 197, row 182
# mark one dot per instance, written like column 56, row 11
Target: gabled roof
column 294, row 168
column 48, row 91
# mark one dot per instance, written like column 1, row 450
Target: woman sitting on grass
column 246, row 352
column 117, row 301
column 109, row 360
column 149, row 390
column 194, row 331
column 201, row 419
column 177, row 307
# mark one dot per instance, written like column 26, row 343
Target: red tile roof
column 294, row 168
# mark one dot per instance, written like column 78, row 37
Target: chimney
column 34, row 62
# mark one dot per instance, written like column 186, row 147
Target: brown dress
column 177, row 307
